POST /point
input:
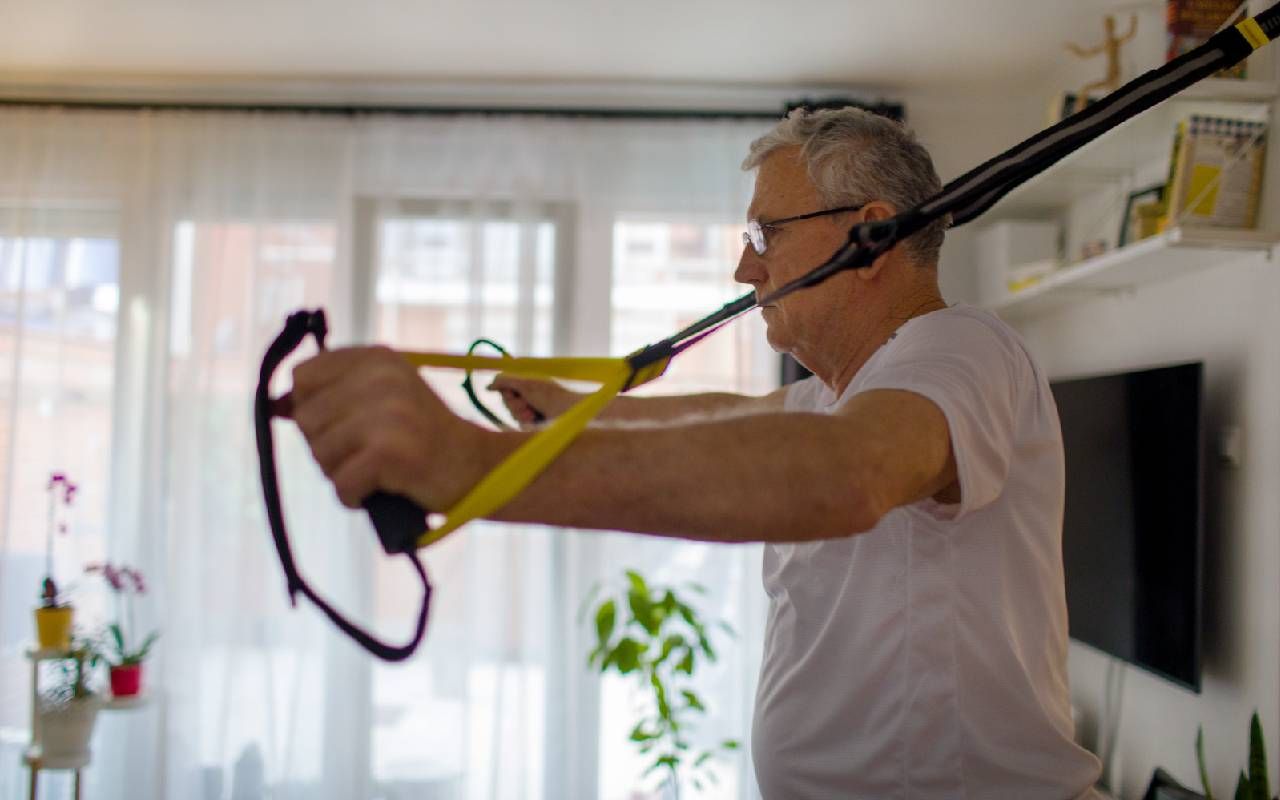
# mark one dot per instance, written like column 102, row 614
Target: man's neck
column 861, row 343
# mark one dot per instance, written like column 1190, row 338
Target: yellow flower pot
column 53, row 627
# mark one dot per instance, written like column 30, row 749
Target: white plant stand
column 34, row 757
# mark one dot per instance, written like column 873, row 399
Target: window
column 669, row 273
column 59, row 288
column 471, row 724
column 232, row 283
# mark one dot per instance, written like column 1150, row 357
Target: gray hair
column 853, row 156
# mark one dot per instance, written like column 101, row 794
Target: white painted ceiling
column 890, row 44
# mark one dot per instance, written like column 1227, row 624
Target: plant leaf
column 626, row 656
column 668, row 645
column 669, row 602
column 702, row 758
column 1242, row 787
column 693, row 700
column 1258, row 761
column 642, row 609
column 705, row 644
column 660, row 696
column 1204, row 773
column 670, row 761
column 686, row 663
column 637, row 583
column 729, row 744
column 606, row 615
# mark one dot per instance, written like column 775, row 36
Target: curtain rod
column 892, row 110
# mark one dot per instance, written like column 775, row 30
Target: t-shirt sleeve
column 972, row 373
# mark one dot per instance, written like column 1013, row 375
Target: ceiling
column 891, row 44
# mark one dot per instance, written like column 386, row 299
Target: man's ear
column 876, row 211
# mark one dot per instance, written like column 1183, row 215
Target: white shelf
column 1169, row 255
column 1138, row 143
column 35, row 759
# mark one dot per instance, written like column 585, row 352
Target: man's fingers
column 519, row 408
column 330, row 366
column 356, row 478
column 332, row 447
column 316, row 413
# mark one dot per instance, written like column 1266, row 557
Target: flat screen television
column 1132, row 533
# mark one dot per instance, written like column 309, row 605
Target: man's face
column 783, row 189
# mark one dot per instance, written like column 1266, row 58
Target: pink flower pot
column 126, row 680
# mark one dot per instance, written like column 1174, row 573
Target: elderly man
column 909, row 494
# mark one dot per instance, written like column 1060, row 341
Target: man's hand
column 530, row 398
column 373, row 423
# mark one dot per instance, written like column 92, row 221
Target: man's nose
column 750, row 267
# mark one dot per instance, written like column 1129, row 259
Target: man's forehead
column 782, row 185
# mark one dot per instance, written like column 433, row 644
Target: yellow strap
column 1252, row 32
column 528, row 461
column 574, row 369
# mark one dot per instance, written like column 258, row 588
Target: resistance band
column 402, row 526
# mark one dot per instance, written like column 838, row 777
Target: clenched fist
column 373, row 423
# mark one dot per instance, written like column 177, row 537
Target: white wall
column 1225, row 316
column 1228, row 316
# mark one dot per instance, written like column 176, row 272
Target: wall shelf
column 1174, row 253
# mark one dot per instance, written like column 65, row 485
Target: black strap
column 397, row 520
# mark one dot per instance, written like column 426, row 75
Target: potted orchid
column 120, row 647
column 54, row 615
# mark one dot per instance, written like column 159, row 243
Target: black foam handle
column 398, row 520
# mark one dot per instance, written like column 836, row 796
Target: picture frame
column 1130, row 230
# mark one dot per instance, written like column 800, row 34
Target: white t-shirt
column 926, row 658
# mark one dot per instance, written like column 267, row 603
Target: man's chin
column 775, row 334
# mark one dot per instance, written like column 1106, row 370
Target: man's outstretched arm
column 373, row 423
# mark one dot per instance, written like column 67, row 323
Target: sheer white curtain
column 145, row 261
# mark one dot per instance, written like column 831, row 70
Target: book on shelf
column 1215, row 173
column 1189, row 23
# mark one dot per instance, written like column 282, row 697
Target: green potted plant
column 654, row 634
column 1251, row 785
column 68, row 707
column 120, row 646
column 55, row 614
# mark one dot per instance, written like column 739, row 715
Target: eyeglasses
column 755, row 237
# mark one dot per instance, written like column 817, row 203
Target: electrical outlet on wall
column 1231, row 445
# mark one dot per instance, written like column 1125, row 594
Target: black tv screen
column 1132, row 530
